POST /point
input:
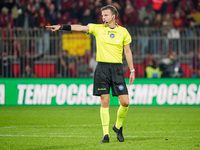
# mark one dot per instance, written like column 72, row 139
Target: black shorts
column 109, row 75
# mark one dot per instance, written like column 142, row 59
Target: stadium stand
column 157, row 27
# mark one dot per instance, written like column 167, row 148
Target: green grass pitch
column 145, row 127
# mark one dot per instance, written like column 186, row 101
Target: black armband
column 65, row 27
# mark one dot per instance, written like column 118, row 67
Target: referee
column 111, row 39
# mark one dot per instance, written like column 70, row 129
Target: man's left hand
column 131, row 78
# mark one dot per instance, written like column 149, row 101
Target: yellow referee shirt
column 109, row 42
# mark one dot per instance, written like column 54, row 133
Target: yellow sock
column 121, row 114
column 105, row 119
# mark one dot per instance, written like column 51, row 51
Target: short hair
column 113, row 9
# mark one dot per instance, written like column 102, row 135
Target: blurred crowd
column 39, row 13
column 182, row 17
column 171, row 19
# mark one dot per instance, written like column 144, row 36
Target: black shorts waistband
column 105, row 63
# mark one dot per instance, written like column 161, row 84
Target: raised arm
column 69, row 28
column 79, row 28
column 129, row 59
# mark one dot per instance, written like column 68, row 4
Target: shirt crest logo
column 112, row 35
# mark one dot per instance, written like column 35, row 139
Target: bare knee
column 125, row 103
column 124, row 100
column 105, row 100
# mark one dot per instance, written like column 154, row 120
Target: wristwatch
column 133, row 70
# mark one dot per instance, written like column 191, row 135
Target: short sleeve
column 91, row 29
column 127, row 38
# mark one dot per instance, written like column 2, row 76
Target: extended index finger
column 48, row 26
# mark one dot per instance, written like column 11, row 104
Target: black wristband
column 65, row 27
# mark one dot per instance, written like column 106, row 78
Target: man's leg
column 105, row 117
column 122, row 111
column 121, row 114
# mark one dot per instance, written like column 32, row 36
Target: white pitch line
column 86, row 125
column 69, row 136
column 9, row 135
column 152, row 123
column 163, row 137
column 49, row 126
column 186, row 131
